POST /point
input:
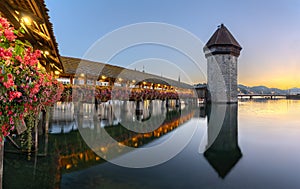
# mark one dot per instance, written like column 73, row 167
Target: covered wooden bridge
column 79, row 71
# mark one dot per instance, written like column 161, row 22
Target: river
column 254, row 144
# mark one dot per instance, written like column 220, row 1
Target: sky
column 267, row 30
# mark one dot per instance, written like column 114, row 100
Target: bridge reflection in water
column 68, row 152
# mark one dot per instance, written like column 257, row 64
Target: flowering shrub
column 24, row 88
column 88, row 93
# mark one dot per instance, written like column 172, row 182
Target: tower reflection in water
column 222, row 151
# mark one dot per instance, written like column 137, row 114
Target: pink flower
column 4, row 23
column 5, row 129
column 37, row 53
column 14, row 94
column 19, row 58
column 9, row 83
column 9, row 34
column 11, row 121
column 18, row 94
column 5, row 54
column 9, row 76
column 35, row 89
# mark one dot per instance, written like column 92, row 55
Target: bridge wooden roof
column 94, row 70
column 39, row 32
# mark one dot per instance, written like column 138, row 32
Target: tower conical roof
column 222, row 36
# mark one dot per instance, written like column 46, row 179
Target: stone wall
column 222, row 78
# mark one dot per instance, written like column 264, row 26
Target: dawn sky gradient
column 268, row 31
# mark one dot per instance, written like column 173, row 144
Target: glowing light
column 82, row 75
column 68, row 166
column 56, row 72
column 46, row 53
column 103, row 149
column 103, row 77
column 148, row 135
column 27, row 20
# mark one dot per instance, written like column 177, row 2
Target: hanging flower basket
column 25, row 89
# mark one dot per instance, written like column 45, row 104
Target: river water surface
column 255, row 145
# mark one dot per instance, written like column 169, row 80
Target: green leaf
column 21, row 29
column 28, row 44
column 19, row 49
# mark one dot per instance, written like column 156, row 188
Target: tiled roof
column 222, row 36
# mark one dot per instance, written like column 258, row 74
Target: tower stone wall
column 222, row 78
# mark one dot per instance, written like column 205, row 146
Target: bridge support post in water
column 151, row 106
column 177, row 104
column 222, row 52
column 139, row 110
column 124, row 107
column 139, row 107
column 167, row 103
column 80, row 108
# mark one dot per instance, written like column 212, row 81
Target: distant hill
column 260, row 90
column 265, row 90
column 294, row 91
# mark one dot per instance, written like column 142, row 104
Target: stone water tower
column 222, row 52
